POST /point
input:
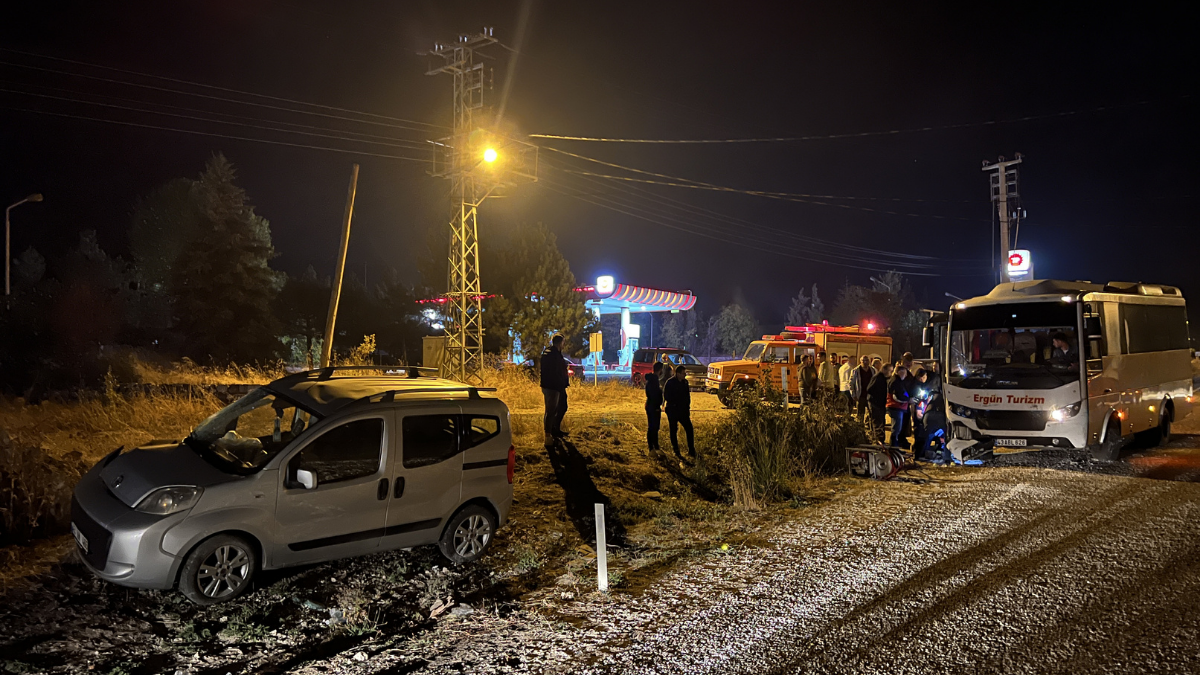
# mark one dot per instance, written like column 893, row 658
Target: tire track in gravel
column 865, row 557
column 996, row 595
column 754, row 641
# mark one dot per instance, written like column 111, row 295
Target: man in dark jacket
column 897, row 406
column 679, row 410
column 808, row 379
column 654, row 402
column 555, row 381
column 860, row 377
column 877, row 400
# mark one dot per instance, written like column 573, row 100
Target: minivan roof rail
column 331, row 372
column 390, row 395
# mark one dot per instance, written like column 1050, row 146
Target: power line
column 677, row 181
column 217, row 88
column 841, row 256
column 842, row 249
column 216, row 135
column 861, row 134
column 251, row 118
column 208, row 96
column 409, row 145
column 772, row 250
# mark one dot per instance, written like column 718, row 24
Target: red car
column 643, row 365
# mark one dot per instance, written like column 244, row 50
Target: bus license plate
column 79, row 538
column 1011, row 442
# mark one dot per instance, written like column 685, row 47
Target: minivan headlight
column 1066, row 412
column 168, row 500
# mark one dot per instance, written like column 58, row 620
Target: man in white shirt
column 844, row 377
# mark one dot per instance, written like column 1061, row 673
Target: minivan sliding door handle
column 383, row 489
column 399, row 487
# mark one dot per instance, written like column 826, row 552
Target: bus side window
column 1093, row 329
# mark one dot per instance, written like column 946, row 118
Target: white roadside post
column 601, row 550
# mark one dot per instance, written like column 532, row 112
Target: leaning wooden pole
column 336, row 292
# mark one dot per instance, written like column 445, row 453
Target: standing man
column 860, row 377
column 679, row 410
column 808, row 379
column 877, row 401
column 910, row 383
column 654, row 402
column 827, row 374
column 897, row 406
column 844, row 374
column 554, row 380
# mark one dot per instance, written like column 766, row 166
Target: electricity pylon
column 477, row 160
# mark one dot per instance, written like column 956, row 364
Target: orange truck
column 774, row 354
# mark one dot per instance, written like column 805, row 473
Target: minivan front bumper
column 124, row 546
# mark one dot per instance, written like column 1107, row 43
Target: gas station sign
column 1020, row 265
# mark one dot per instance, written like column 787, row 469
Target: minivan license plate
column 79, row 538
column 1011, row 442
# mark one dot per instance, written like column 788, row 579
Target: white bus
column 1066, row 364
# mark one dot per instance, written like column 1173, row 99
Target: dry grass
column 96, row 427
column 187, row 372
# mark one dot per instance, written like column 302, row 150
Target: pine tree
column 797, row 314
column 538, row 295
column 735, row 325
column 816, row 308
column 222, row 285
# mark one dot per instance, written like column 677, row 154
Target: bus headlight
column 962, row 411
column 1066, row 412
column 961, row 432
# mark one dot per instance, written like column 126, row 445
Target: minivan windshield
column 1014, row 346
column 246, row 434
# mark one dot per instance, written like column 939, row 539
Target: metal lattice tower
column 460, row 158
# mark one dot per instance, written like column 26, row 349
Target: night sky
column 1109, row 188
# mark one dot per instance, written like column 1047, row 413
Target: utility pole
column 1004, row 191
column 8, row 245
column 336, row 292
column 477, row 160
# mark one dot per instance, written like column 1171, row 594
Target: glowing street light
column 490, row 155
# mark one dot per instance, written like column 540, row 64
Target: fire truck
column 776, row 355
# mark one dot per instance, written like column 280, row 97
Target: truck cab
column 776, row 358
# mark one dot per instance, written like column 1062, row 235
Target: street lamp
column 36, row 197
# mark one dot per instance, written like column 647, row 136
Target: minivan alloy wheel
column 219, row 569
column 472, row 536
column 224, row 572
column 468, row 534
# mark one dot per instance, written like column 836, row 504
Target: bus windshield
column 1014, row 346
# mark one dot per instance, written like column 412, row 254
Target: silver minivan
column 315, row 466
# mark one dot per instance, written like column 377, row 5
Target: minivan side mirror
column 306, row 478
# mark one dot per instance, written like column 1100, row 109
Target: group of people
column 910, row 399
column 898, row 402
column 671, row 395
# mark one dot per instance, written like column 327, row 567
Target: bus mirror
column 1091, row 327
column 927, row 336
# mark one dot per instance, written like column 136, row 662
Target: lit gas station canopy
column 609, row 297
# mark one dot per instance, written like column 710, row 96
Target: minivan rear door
column 427, row 475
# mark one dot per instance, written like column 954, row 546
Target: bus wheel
column 1110, row 449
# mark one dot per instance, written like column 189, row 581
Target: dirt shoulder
column 61, row 619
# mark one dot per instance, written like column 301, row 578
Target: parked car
column 316, row 466
column 643, row 365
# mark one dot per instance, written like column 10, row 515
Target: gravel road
column 995, row 570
